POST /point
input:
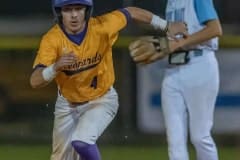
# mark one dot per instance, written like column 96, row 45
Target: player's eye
column 80, row 8
column 66, row 9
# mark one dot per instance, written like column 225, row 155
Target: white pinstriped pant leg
column 64, row 125
column 84, row 123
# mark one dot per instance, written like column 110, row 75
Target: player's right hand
column 177, row 28
column 64, row 61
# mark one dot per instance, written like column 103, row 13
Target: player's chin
column 75, row 29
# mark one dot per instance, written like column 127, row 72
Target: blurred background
column 137, row 132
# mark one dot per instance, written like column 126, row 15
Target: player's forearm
column 140, row 15
column 213, row 29
column 147, row 17
column 40, row 77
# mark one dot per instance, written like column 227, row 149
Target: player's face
column 73, row 18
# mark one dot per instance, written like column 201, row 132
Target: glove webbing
column 161, row 45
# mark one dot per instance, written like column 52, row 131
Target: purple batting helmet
column 61, row 3
column 58, row 4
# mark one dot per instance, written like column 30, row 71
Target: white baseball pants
column 188, row 99
column 84, row 123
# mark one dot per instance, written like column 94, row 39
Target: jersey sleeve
column 205, row 10
column 46, row 54
column 111, row 23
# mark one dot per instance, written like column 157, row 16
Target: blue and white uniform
column 189, row 91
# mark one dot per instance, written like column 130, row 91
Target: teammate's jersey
column 195, row 13
column 93, row 74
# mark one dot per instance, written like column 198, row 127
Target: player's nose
column 74, row 13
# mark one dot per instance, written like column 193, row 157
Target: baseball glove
column 148, row 49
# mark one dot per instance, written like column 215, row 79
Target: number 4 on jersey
column 94, row 82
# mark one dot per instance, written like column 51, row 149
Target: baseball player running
column 191, row 81
column 77, row 53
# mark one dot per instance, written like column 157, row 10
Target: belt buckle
column 178, row 58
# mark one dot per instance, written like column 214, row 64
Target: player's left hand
column 148, row 49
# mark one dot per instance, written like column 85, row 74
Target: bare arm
column 42, row 76
column 140, row 15
column 213, row 29
column 37, row 80
column 147, row 17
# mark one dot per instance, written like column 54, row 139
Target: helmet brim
column 64, row 3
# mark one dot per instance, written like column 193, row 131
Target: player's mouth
column 74, row 23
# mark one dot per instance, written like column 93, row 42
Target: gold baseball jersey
column 93, row 73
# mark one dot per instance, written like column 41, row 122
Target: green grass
column 25, row 152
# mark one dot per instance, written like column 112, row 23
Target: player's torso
column 92, row 74
column 185, row 11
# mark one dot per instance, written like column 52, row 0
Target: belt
column 183, row 57
column 78, row 103
column 74, row 103
column 81, row 103
column 195, row 53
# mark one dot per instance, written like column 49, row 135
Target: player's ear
column 88, row 12
column 59, row 15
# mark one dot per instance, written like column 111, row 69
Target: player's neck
column 75, row 31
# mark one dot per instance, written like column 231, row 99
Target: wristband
column 159, row 23
column 49, row 73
